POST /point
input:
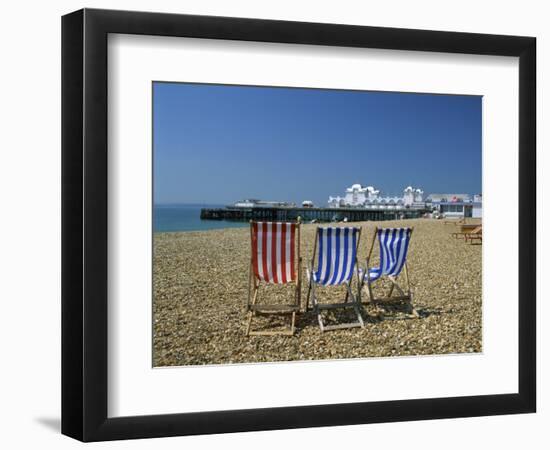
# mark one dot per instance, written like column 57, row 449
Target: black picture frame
column 84, row 224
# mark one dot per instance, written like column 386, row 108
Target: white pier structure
column 358, row 196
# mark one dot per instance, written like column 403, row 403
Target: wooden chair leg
column 395, row 285
column 251, row 312
column 315, row 307
column 319, row 316
column 320, row 320
column 299, row 280
column 360, row 286
column 357, row 305
column 308, row 291
column 409, row 292
column 249, row 323
column 371, row 294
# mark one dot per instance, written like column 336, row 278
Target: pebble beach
column 200, row 285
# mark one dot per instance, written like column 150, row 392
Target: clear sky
column 218, row 144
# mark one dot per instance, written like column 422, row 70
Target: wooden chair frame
column 465, row 229
column 404, row 297
column 476, row 234
column 252, row 306
column 319, row 307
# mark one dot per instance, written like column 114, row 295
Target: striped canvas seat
column 274, row 259
column 337, row 254
column 394, row 244
column 273, row 251
column 336, row 250
column 394, row 247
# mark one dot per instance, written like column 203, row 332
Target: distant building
column 358, row 196
column 307, row 204
column 355, row 196
column 336, row 202
column 412, row 196
column 477, row 210
column 450, row 198
column 456, row 205
column 385, row 203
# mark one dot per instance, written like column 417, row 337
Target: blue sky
column 218, row 144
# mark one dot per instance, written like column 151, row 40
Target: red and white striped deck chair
column 275, row 259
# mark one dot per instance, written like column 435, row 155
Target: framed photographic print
column 273, row 224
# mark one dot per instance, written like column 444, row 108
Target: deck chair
column 466, row 229
column 475, row 235
column 275, row 259
column 336, row 263
column 394, row 247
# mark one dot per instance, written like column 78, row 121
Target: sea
column 187, row 217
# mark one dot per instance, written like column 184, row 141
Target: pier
column 282, row 214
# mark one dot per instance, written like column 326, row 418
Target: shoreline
column 303, row 224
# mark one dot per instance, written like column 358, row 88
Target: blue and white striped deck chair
column 336, row 251
column 394, row 247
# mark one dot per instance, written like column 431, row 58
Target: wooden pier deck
column 308, row 214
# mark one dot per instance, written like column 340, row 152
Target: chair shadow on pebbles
column 401, row 312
